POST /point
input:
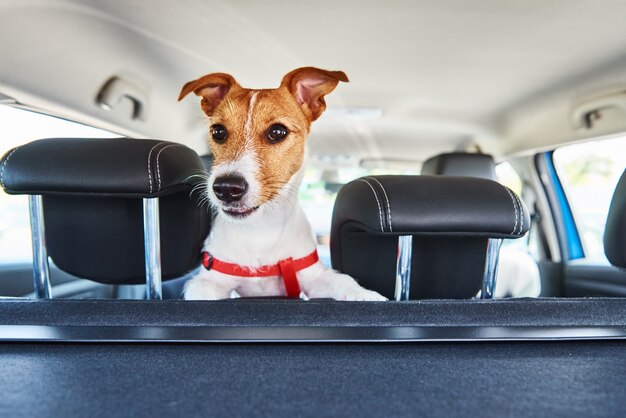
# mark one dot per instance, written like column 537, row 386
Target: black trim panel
column 199, row 334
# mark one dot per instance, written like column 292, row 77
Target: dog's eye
column 219, row 133
column 277, row 132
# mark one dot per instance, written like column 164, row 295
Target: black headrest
column 615, row 229
column 401, row 205
column 450, row 219
column 461, row 164
column 92, row 198
column 111, row 166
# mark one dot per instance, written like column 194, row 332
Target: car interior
column 472, row 171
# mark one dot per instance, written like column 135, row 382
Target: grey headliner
column 446, row 74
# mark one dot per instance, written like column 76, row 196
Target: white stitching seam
column 4, row 164
column 519, row 214
column 380, row 212
column 149, row 171
column 386, row 198
column 514, row 209
column 157, row 162
column 521, row 208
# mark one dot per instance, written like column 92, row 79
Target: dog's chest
column 261, row 286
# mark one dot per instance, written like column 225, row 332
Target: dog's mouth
column 239, row 213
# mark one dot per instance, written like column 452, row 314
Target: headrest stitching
column 4, row 166
column 157, row 161
column 514, row 209
column 149, row 170
column 380, row 212
column 387, row 199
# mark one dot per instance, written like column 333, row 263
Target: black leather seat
column 92, row 192
column 615, row 229
column 450, row 219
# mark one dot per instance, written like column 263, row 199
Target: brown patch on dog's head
column 212, row 88
column 309, row 85
column 255, row 121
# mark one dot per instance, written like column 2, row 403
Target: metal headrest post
column 491, row 268
column 403, row 267
column 41, row 271
column 152, row 246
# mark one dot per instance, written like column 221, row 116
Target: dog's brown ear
column 212, row 88
column 309, row 85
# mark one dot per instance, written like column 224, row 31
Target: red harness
column 286, row 268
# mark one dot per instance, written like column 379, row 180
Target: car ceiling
column 444, row 75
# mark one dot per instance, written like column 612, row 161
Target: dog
column 261, row 243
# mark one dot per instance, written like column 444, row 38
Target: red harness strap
column 286, row 268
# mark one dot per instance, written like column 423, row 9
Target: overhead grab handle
column 587, row 112
column 116, row 89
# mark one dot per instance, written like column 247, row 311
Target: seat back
column 102, row 238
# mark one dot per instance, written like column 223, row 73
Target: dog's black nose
column 230, row 188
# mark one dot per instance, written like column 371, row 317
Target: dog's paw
column 340, row 287
column 359, row 294
column 204, row 289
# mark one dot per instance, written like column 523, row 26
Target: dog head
column 257, row 137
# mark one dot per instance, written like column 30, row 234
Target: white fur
column 277, row 230
column 247, row 130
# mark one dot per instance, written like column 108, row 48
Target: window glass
column 589, row 173
column 17, row 127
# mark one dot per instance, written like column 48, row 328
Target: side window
column 18, row 127
column 589, row 173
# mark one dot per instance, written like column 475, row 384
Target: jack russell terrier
column 261, row 243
